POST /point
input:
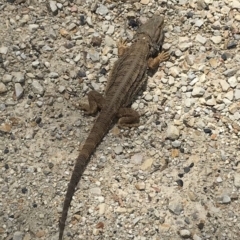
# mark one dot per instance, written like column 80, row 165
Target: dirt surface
column 176, row 176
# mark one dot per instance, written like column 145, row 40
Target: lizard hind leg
column 128, row 117
column 95, row 102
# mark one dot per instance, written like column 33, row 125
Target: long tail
column 97, row 133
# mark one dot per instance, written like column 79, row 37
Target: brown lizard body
column 125, row 81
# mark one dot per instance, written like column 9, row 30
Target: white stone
column 53, row 7
column 216, row 39
column 33, row 27
column 198, row 92
column 3, row 88
column 229, row 95
column 201, row 39
column 235, row 4
column 237, row 94
column 233, row 81
column 172, row 132
column 225, row 86
column 3, row 50
column 144, row 2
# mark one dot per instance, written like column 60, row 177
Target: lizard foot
column 163, row 56
column 153, row 63
column 122, row 46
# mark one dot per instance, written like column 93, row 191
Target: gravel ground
column 176, row 176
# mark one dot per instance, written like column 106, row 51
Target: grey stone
column 223, row 199
column 53, row 75
column 229, row 72
column 89, row 21
column 188, row 102
column 200, row 124
column 199, row 22
column 52, row 34
column 71, row 26
column 110, row 30
column 29, row 133
column 46, row 48
column 237, row 180
column 61, row 89
column 196, row 237
column 166, row 46
column 175, row 207
column 18, row 77
column 59, row 5
column 77, row 58
column 10, row 102
column 95, row 191
column 118, row 150
column 185, row 233
column 7, row 78
column 60, row 99
column 24, row 19
column 93, row 55
column 18, row 235
column 171, row 81
column 2, row 106
column 102, row 10
column 137, row 159
column 191, row 75
column 178, row 53
column 109, row 41
column 174, row 71
column 140, row 186
column 176, row 143
column 35, row 63
column 39, row 103
column 184, row 46
column 37, row 87
column 219, row 179
column 226, row 199
column 211, row 101
column 18, row 90
column 148, row 97
column 229, row 95
column 136, row 220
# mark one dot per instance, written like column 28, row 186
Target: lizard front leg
column 153, row 63
column 95, row 102
column 128, row 117
column 122, row 47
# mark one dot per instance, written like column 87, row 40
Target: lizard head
column 154, row 29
